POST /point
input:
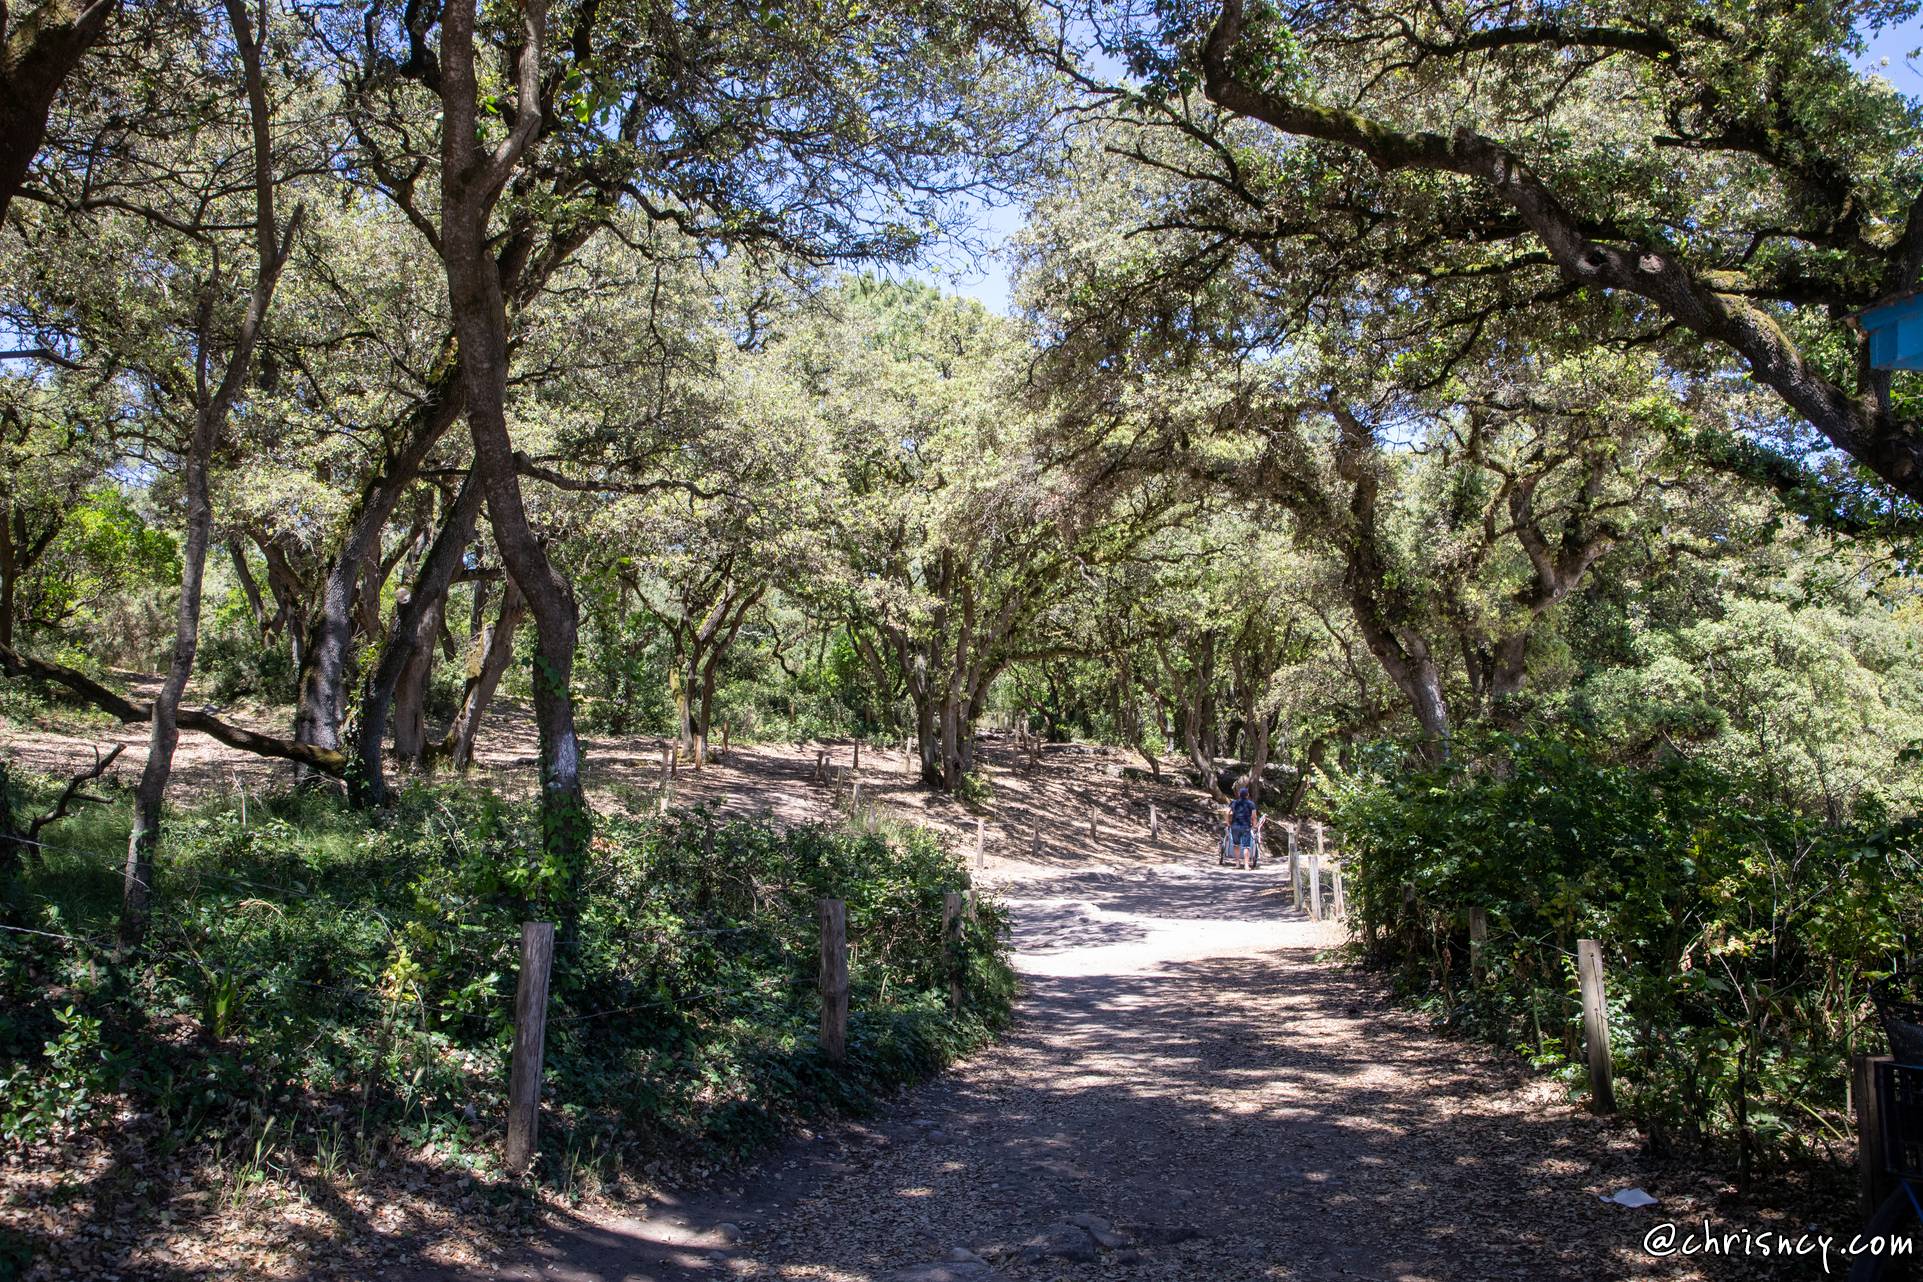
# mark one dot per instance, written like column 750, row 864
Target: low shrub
column 1741, row 935
column 237, row 666
column 314, row 964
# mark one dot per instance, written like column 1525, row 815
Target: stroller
column 1225, row 854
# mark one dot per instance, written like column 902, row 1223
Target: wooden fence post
column 1873, row 1180
column 907, row 756
column 1595, row 1026
column 530, row 1041
column 1092, row 837
column 667, row 765
column 834, row 980
column 857, row 765
column 1295, row 868
column 951, row 942
column 1154, row 823
column 1035, row 843
column 724, row 738
column 1335, row 878
column 1478, row 936
column 821, row 766
column 981, row 841
column 1315, row 876
column 854, row 797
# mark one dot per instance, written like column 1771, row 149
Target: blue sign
column 1896, row 333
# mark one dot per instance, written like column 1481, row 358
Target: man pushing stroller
column 1242, row 823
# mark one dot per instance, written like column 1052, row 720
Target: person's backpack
column 1242, row 813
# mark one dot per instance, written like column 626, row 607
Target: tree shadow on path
column 1185, row 1068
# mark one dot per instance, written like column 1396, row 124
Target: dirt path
column 1189, row 1093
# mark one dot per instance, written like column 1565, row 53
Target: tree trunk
column 684, row 682
column 1383, row 613
column 21, row 548
column 9, row 589
column 1258, row 733
column 1192, row 693
column 1423, row 685
column 410, row 644
column 249, row 588
column 1197, row 734
column 1250, row 664
column 497, row 649
column 1508, row 670
column 950, row 743
column 322, row 684
column 722, row 637
column 212, row 404
column 707, row 711
column 1408, row 663
column 42, row 48
column 285, row 585
column 410, row 692
column 1311, row 762
column 136, row 897
column 972, row 713
column 323, row 657
column 928, row 738
column 471, row 183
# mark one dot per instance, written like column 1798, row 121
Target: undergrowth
column 1740, row 936
column 319, row 979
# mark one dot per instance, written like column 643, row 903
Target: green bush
column 237, row 665
column 1740, row 935
column 829, row 694
column 317, row 965
column 65, row 1088
column 976, row 789
column 624, row 674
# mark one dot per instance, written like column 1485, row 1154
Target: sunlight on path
column 1120, row 924
column 1190, row 1091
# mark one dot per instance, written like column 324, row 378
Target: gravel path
column 1188, row 1093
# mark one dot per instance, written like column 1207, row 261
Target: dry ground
column 1191, row 1074
column 775, row 778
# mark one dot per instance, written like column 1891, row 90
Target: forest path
column 1182, row 1069
column 1187, row 1093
